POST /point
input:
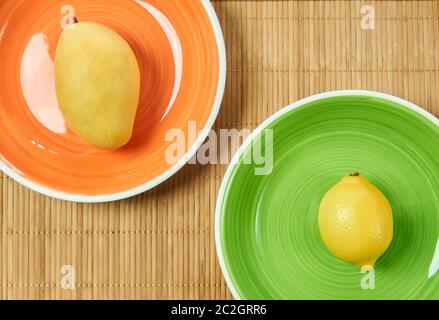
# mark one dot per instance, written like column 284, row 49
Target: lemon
column 355, row 221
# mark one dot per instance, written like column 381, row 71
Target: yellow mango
column 97, row 83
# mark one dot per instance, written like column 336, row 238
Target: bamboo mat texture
column 160, row 244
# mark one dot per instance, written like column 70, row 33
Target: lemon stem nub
column 355, row 174
column 75, row 20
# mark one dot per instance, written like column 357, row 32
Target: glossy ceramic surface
column 181, row 54
column 267, row 234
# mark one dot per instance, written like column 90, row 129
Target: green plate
column 267, row 236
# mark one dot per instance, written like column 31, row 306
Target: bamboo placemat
column 160, row 245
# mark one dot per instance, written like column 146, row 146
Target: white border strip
column 262, row 127
column 156, row 181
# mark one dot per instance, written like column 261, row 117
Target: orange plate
column 180, row 50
